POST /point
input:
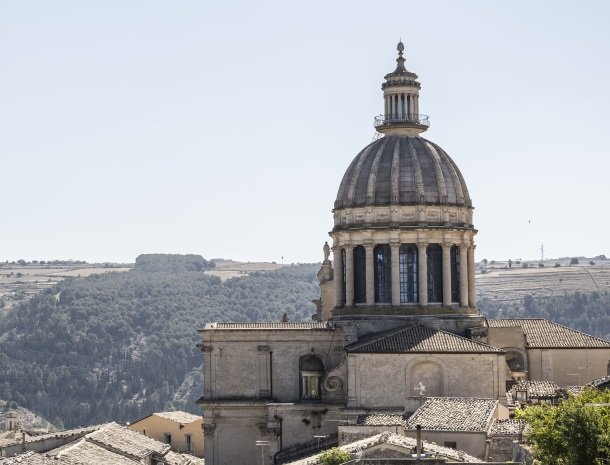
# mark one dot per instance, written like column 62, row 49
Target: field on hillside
column 503, row 284
column 20, row 282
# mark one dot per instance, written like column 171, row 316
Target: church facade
column 397, row 320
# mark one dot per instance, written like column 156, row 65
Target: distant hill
column 120, row 345
column 117, row 346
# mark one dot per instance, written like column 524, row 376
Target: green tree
column 572, row 433
column 334, row 456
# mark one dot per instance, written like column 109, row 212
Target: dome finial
column 400, row 60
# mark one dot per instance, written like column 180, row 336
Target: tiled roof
column 380, row 419
column 88, row 453
column 508, row 427
column 538, row 388
column 172, row 458
column 600, row 382
column 179, row 416
column 127, row 441
column 574, row 390
column 419, row 338
column 395, row 440
column 509, row 399
column 77, row 432
column 454, row 414
column 32, row 458
column 266, row 326
column 544, row 333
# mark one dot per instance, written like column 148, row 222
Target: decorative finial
column 400, row 60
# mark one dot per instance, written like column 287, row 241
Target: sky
column 223, row 128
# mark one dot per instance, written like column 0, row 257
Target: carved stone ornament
column 333, row 383
column 208, row 428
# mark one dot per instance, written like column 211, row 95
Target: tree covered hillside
column 587, row 312
column 117, row 346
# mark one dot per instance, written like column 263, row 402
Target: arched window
column 455, row 273
column 383, row 274
column 343, row 270
column 408, row 274
column 359, row 275
column 311, row 370
column 435, row 273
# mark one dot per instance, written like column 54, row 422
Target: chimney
column 23, row 440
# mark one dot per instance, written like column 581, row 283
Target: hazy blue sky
column 223, row 128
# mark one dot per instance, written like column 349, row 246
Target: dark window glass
column 359, row 275
column 383, row 274
column 343, row 276
column 455, row 274
column 435, row 273
column 408, row 274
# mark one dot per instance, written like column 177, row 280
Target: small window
column 167, row 438
column 144, row 431
column 311, row 369
column 188, row 443
column 450, row 444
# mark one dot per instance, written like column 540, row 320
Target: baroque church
column 396, row 322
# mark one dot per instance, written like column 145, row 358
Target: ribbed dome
column 402, row 170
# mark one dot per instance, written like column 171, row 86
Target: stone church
column 397, row 320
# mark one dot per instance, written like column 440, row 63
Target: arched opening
column 359, row 275
column 408, row 274
column 383, row 274
column 455, row 273
column 311, row 369
column 435, row 273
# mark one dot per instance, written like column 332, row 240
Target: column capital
column 394, row 242
column 446, row 245
column 422, row 244
column 472, row 246
column 368, row 244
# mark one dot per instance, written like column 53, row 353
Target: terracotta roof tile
column 419, row 338
column 395, row 440
column 380, row 419
column 538, row 389
column 454, row 414
column 507, row 427
column 267, row 326
column 179, row 416
column 88, row 453
column 544, row 333
column 127, row 441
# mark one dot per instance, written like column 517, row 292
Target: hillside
column 118, row 345
column 121, row 344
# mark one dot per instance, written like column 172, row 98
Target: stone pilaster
column 338, row 275
column 349, row 276
column 446, row 274
column 395, row 260
column 370, row 274
column 422, row 272
column 471, row 287
column 463, row 275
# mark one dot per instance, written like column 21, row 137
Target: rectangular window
column 188, row 443
column 450, row 444
column 167, row 438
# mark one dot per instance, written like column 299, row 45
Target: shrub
column 334, row 456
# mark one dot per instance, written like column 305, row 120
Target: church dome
column 402, row 170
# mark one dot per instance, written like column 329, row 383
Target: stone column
column 349, row 276
column 463, row 275
column 370, row 274
column 338, row 275
column 422, row 272
column 395, row 257
column 471, row 288
column 446, row 274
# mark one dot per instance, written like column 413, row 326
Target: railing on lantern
column 386, row 120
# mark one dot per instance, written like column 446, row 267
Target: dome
column 402, row 170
